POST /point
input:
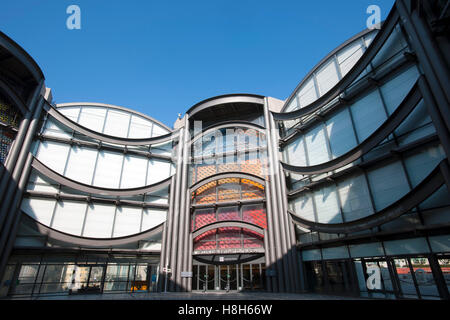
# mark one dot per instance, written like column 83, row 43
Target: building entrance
column 226, row 278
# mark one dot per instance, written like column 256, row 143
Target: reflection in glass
column 405, row 278
column 424, row 277
column 445, row 268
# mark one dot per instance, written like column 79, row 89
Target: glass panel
column 81, row 164
column 385, row 275
column 92, row 118
column 127, row 222
column 53, row 155
column 99, row 221
column 424, row 277
column 116, row 277
column 117, row 123
column 7, row 279
column 316, row 145
column 255, row 214
column 228, row 213
column 158, row 170
column 108, row 170
column 315, row 276
column 405, row 278
column 39, row 209
column 69, row 217
column 445, row 268
column 152, row 218
column 140, row 282
column 28, row 273
column 210, row 277
column 134, row 169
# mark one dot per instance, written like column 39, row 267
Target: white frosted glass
column 303, row 207
column 52, row 129
column 128, row 221
column 107, row 172
column 157, row 171
column 327, row 77
column 152, row 218
column 316, row 145
column 99, row 221
column 36, row 183
column 92, row 118
column 348, row 57
column 368, row 114
column 70, row 112
column 134, row 169
column 39, row 209
column 158, row 130
column 340, row 132
column 327, row 205
column 397, row 88
column 355, row 198
column 81, row 164
column 307, row 94
column 53, row 155
column 117, row 123
column 388, row 184
column 293, row 105
column 295, row 153
column 69, row 217
column 406, row 246
column 139, row 128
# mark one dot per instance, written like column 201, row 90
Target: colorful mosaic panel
column 228, row 238
column 256, row 167
column 8, row 115
column 255, row 215
column 228, row 213
column 203, row 218
column 6, row 140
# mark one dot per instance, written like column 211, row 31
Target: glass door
column 88, row 278
column 246, row 276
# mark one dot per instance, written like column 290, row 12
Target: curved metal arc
column 24, row 57
column 92, row 242
column 218, row 176
column 322, row 62
column 228, row 224
column 413, row 198
column 351, row 76
column 14, row 97
column 225, row 99
column 107, row 138
column 46, row 171
column 397, row 117
column 227, row 124
column 112, row 106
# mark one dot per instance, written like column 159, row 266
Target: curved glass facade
column 343, row 188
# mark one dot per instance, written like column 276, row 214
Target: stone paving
column 192, row 296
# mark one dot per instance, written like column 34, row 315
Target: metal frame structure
column 283, row 250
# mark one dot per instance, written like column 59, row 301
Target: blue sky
column 162, row 57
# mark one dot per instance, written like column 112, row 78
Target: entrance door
column 228, row 277
column 88, row 278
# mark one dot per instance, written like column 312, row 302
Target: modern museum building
column 342, row 188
